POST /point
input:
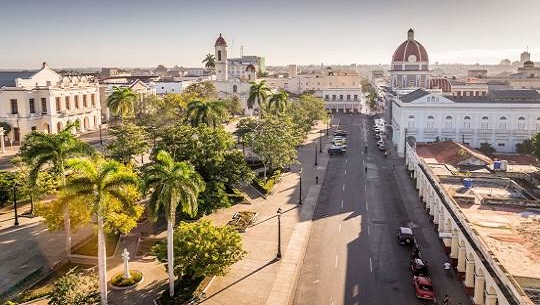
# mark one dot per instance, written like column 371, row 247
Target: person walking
column 446, row 300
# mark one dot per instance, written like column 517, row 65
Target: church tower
column 221, row 59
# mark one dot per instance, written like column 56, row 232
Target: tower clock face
column 411, row 58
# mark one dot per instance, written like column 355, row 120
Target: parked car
column 340, row 132
column 336, row 150
column 380, row 142
column 405, row 236
column 423, row 288
column 382, row 147
column 418, row 267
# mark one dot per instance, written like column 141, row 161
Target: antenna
column 241, row 51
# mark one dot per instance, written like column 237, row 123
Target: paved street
column 353, row 256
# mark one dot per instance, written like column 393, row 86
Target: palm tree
column 43, row 149
column 104, row 188
column 278, row 102
column 172, row 184
column 209, row 62
column 122, row 102
column 258, row 92
column 211, row 113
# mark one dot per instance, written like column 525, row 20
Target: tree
column 486, row 149
column 209, row 62
column 41, row 149
column 172, row 184
column 6, row 126
column 75, row 289
column 130, row 140
column 234, row 107
column 258, row 93
column 277, row 102
column 202, row 249
column 525, row 147
column 122, row 102
column 108, row 190
column 536, row 143
column 211, row 113
column 202, row 90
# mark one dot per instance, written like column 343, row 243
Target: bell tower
column 221, row 59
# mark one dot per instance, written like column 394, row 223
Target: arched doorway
column 86, row 123
column 46, row 128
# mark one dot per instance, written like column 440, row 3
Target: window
column 43, row 105
column 356, row 97
column 14, row 106
column 538, row 124
column 341, row 97
column 430, row 122
column 93, row 100
column 521, row 123
column 33, row 128
column 501, row 144
column 32, row 105
column 57, row 104
column 234, row 88
column 84, row 101
column 467, row 122
column 76, row 102
column 327, row 97
column 68, row 103
column 219, row 56
column 449, row 124
column 411, row 123
column 333, row 97
column 348, row 97
column 484, row 124
column 502, row 123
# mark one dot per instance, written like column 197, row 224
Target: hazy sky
column 139, row 33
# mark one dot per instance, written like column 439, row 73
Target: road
column 352, row 255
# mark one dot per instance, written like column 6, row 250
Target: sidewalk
column 259, row 278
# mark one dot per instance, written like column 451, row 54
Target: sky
column 145, row 33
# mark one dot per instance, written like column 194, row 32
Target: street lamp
column 315, row 152
column 278, row 255
column 320, row 141
column 15, row 202
column 300, row 172
column 100, row 136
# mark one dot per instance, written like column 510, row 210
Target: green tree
column 234, row 107
column 41, row 150
column 130, row 140
column 202, row 90
column 75, row 289
column 211, row 113
column 6, row 126
column 536, row 143
column 486, row 149
column 277, row 103
column 109, row 191
column 209, row 62
column 258, row 93
column 202, row 249
column 122, row 102
column 525, row 147
column 172, row 184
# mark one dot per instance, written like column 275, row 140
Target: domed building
column 410, row 65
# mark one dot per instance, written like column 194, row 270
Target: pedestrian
column 365, row 168
column 316, row 179
column 446, row 300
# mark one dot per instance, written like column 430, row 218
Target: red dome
column 250, row 68
column 410, row 47
column 220, row 42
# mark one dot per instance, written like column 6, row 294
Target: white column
column 455, row 245
column 442, row 223
column 469, row 273
column 479, row 285
column 461, row 259
column 491, row 300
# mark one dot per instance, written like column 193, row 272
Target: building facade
column 500, row 118
column 48, row 102
column 342, row 99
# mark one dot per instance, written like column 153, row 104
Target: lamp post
column 278, row 255
column 320, row 141
column 100, row 136
column 15, row 202
column 328, row 125
column 300, row 172
column 316, row 152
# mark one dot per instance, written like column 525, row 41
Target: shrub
column 119, row 281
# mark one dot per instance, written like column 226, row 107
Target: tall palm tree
column 44, row 149
column 104, row 188
column 278, row 102
column 172, row 184
column 209, row 62
column 122, row 102
column 211, row 113
column 258, row 92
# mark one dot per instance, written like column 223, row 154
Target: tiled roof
column 7, row 78
column 449, row 152
column 416, row 94
column 515, row 94
column 527, row 96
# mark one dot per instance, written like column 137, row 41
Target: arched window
column 521, row 123
column 484, row 124
column 411, row 123
column 467, row 122
column 219, row 55
column 502, row 123
column 449, row 122
column 234, row 88
column 430, row 122
column 538, row 124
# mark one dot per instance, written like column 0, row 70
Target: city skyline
column 145, row 34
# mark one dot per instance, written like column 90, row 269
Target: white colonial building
column 46, row 101
column 501, row 118
column 342, row 99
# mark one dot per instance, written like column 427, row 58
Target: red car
column 423, row 288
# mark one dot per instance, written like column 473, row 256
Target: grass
column 145, row 247
column 185, row 289
column 119, row 281
column 89, row 248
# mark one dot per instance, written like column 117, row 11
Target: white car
column 380, row 142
